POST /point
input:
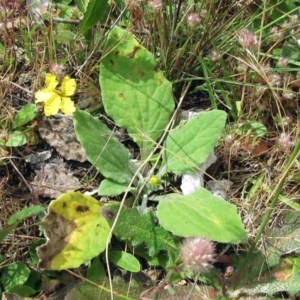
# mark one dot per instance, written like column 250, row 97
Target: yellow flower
column 54, row 99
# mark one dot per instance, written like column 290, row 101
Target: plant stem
column 239, row 274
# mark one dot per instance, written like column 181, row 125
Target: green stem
column 239, row 274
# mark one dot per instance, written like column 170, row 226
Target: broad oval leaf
column 109, row 187
column 76, row 232
column 14, row 274
column 188, row 146
column 124, row 260
column 25, row 115
column 102, row 148
column 96, row 271
column 201, row 214
column 134, row 92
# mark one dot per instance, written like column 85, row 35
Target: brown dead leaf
column 59, row 133
column 53, row 179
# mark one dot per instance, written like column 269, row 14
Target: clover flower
column 247, row 39
column 285, row 142
column 197, row 254
column 193, row 19
column 55, row 99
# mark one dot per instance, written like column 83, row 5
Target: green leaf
column 16, row 218
column 65, row 36
column 32, row 251
column 138, row 229
column 82, row 5
column 291, row 285
column 96, row 271
column 134, row 92
column 14, row 274
column 290, row 50
column 95, row 12
column 275, row 247
column 124, row 260
column 102, row 148
column 34, row 280
column 187, row 146
column 109, row 187
column 15, row 139
column 252, row 128
column 24, row 213
column 26, row 114
column 160, row 259
column 201, row 214
column 76, row 232
column 6, row 231
column 23, row 290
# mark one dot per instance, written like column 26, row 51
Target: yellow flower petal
column 44, row 95
column 51, row 82
column 67, row 106
column 68, row 86
column 52, row 106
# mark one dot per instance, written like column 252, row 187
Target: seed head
column 294, row 19
column 283, row 61
column 286, row 25
column 275, row 79
column 275, row 34
column 288, row 94
column 214, row 55
column 241, row 67
column 286, row 120
column 197, row 254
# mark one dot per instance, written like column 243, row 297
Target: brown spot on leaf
column 121, row 95
column 111, row 62
column 132, row 53
column 107, row 213
column 82, row 209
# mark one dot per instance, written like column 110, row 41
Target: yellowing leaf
column 75, row 230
